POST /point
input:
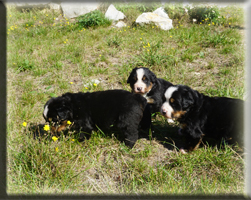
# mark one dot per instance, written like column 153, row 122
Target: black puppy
column 200, row 115
column 120, row 108
column 143, row 81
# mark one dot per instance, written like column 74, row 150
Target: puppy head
column 141, row 80
column 58, row 111
column 178, row 100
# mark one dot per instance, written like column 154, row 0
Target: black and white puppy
column 143, row 81
column 200, row 115
column 86, row 111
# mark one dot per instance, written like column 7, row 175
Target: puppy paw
column 182, row 151
column 170, row 121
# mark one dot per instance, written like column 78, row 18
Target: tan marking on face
column 50, row 119
column 56, row 129
column 172, row 100
column 144, row 78
column 178, row 114
column 149, row 87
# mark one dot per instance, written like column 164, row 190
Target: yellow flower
column 200, row 23
column 24, row 124
column 148, row 44
column 86, row 87
column 94, row 84
column 56, row 149
column 209, row 24
column 147, row 49
column 144, row 46
column 140, row 38
column 46, row 127
column 73, row 140
column 229, row 23
column 152, row 26
column 171, row 36
column 68, row 122
column 64, row 41
column 10, row 15
column 71, row 82
column 54, row 138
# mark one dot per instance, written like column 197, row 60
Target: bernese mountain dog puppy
column 101, row 109
column 203, row 116
column 144, row 82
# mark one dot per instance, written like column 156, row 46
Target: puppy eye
column 144, row 78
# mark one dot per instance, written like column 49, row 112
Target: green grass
column 48, row 57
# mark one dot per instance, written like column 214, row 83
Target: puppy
column 144, row 82
column 201, row 115
column 86, row 111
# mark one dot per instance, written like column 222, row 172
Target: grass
column 49, row 55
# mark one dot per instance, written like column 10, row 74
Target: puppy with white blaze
column 103, row 109
column 144, row 82
column 201, row 116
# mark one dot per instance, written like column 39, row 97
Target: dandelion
column 229, row 23
column 71, row 82
column 73, row 140
column 133, row 28
column 86, row 88
column 10, row 15
column 141, row 38
column 54, row 138
column 152, row 26
column 46, row 15
column 144, row 46
column 124, row 30
column 56, row 149
column 200, row 23
column 171, row 36
column 212, row 23
column 46, row 127
column 94, row 84
column 209, row 24
column 24, row 124
column 148, row 44
column 147, row 49
column 69, row 122
column 64, row 41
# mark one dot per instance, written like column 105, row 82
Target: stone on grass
column 75, row 9
column 113, row 14
column 120, row 24
column 148, row 17
column 161, row 12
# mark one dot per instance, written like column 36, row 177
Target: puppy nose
column 139, row 88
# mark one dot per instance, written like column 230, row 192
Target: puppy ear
column 153, row 77
column 131, row 74
column 188, row 99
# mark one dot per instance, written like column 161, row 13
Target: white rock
column 55, row 6
column 113, row 14
column 161, row 12
column 162, row 22
column 72, row 10
column 120, row 24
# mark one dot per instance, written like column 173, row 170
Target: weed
column 93, row 19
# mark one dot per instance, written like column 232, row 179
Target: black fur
column 213, row 117
column 156, row 93
column 120, row 108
